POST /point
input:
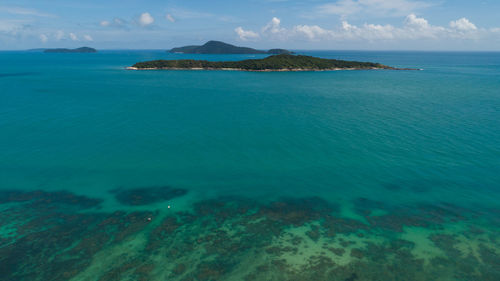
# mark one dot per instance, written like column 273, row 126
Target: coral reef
column 63, row 236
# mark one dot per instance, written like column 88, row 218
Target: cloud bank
column 412, row 28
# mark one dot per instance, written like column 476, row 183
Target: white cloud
column 44, row 38
column 73, row 36
column 87, row 37
column 415, row 22
column 146, row 19
column 412, row 28
column 273, row 30
column 365, row 32
column 377, row 31
column 273, row 27
column 105, row 23
column 415, row 28
column 246, row 34
column 373, row 7
column 463, row 24
column 170, row 18
column 312, row 32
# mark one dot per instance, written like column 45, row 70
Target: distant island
column 217, row 47
column 78, row 50
column 283, row 62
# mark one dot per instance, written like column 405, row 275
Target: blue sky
column 307, row 24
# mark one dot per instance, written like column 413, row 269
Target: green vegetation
column 217, row 47
column 271, row 63
column 78, row 50
column 279, row 52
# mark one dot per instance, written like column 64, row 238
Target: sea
column 115, row 174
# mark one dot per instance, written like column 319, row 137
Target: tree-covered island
column 218, row 47
column 283, row 62
column 77, row 50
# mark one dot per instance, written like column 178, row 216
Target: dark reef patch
column 147, row 195
column 55, row 241
column 297, row 211
column 396, row 217
column 231, row 238
column 40, row 198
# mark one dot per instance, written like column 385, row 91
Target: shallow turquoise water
column 81, row 123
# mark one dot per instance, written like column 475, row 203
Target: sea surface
column 112, row 174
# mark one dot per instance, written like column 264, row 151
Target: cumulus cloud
column 375, row 7
column 377, row 31
column 273, row 27
column 246, row 35
column 87, row 37
column 463, row 24
column 73, row 36
column 274, row 30
column 146, row 19
column 366, row 32
column 415, row 22
column 170, row 18
column 44, row 38
column 413, row 28
column 312, row 32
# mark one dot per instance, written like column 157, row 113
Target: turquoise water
column 410, row 156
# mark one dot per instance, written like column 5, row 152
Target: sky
column 460, row 25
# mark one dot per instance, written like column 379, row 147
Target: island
column 217, row 47
column 279, row 52
column 77, row 50
column 283, row 62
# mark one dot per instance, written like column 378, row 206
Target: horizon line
column 304, row 50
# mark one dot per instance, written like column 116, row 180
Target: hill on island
column 77, row 50
column 217, row 47
column 284, row 62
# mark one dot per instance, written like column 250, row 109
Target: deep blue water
column 81, row 123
